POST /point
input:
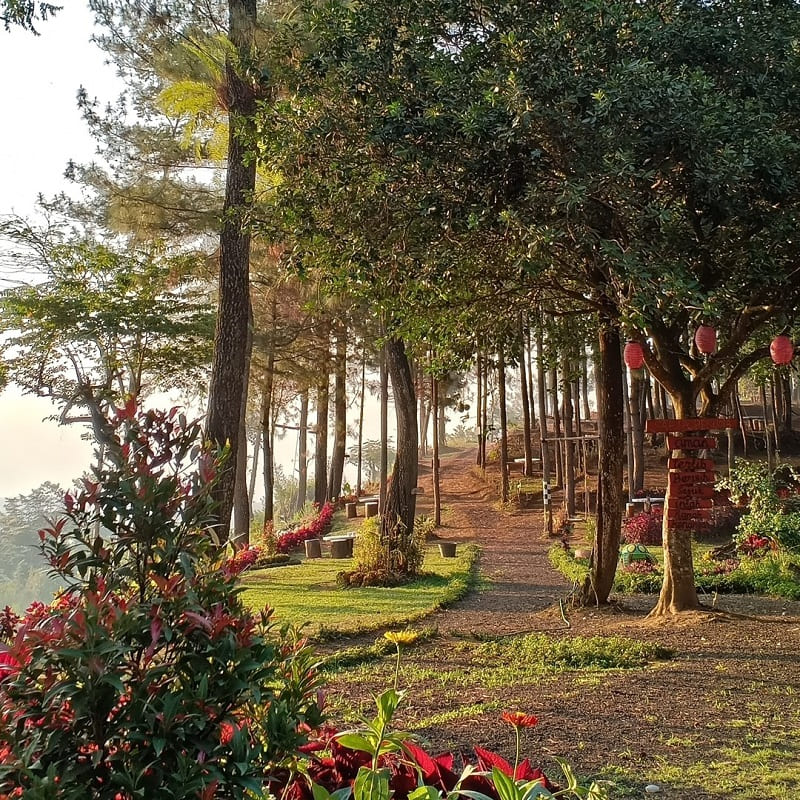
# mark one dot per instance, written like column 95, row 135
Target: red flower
column 518, row 719
column 227, row 730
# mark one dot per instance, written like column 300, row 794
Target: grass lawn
column 308, row 594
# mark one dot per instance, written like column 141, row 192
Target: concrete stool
column 341, row 546
column 313, row 548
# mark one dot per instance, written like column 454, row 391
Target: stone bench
column 341, row 545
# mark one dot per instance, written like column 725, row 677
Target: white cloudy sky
column 41, row 130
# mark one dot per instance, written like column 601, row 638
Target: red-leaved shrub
column 315, row 529
column 643, row 528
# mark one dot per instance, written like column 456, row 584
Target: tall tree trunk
column 767, row 431
column 737, row 405
column 340, row 415
column 268, row 454
column 266, row 439
column 397, row 518
column 266, row 417
column 479, row 404
column 227, row 385
column 649, row 409
column 541, row 389
column 558, row 449
column 526, row 405
column 636, row 424
column 359, row 464
column 241, row 497
column 569, row 445
column 485, row 413
column 321, row 443
column 302, row 451
column 587, row 412
column 422, row 411
column 610, row 414
column 441, row 418
column 251, row 489
column 384, row 459
column 665, row 403
column 628, row 433
column 678, row 591
column 531, row 388
column 501, row 391
column 242, row 512
column 437, row 500
column 659, row 412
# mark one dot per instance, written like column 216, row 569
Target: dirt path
column 513, row 558
column 731, row 695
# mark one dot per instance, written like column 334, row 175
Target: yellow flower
column 401, row 637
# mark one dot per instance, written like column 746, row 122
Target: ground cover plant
column 147, row 676
column 310, row 593
column 376, row 760
column 499, row 665
column 769, row 573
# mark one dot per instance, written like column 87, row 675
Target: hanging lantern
column 705, row 338
column 781, row 350
column 633, row 355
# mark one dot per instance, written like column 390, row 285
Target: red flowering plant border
column 315, row 529
column 147, row 677
column 252, row 556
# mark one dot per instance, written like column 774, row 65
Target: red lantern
column 705, row 338
column 633, row 355
column 781, row 349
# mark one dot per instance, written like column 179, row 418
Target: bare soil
column 735, row 676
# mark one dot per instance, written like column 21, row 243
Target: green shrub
column 424, row 527
column 773, row 502
column 147, row 677
column 377, row 562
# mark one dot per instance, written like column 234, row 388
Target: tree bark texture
column 321, row 443
column 266, row 438
column 437, row 501
column 384, row 459
column 397, row 518
column 479, row 407
column 541, row 389
column 226, row 387
column 587, row 412
column 501, row 393
column 678, row 591
column 485, row 412
column 557, row 449
column 528, row 355
column 302, row 451
column 569, row 445
column 242, row 513
column 360, row 459
column 610, row 414
column 340, row 415
column 526, row 404
column 637, row 432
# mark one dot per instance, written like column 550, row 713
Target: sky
column 41, row 131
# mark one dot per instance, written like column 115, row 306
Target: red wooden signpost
column 691, row 464
column 691, row 442
column 690, row 484
column 691, row 424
